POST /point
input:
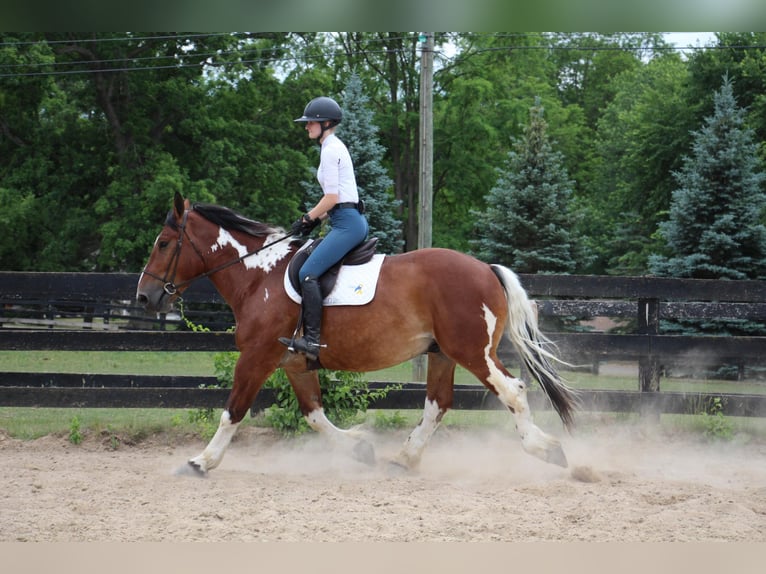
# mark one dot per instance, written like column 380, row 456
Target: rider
column 340, row 203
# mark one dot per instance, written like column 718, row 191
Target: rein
column 169, row 286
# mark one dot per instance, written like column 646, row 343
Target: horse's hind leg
column 513, row 393
column 439, row 393
column 486, row 366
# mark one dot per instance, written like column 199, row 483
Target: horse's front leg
column 249, row 376
column 439, row 395
column 306, row 387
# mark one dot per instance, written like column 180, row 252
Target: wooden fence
column 94, row 311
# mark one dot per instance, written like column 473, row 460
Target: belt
column 345, row 205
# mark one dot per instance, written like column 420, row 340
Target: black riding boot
column 308, row 344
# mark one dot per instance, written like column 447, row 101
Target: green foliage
column 528, row 224
column 89, row 160
column 389, row 421
column 639, row 142
column 75, row 433
column 716, row 425
column 344, row 397
column 715, row 229
column 204, row 421
column 223, row 365
column 18, row 212
column 481, row 102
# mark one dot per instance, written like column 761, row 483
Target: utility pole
column 426, row 180
column 425, row 183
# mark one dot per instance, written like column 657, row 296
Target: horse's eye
column 163, row 244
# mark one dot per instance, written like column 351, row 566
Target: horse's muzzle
column 155, row 300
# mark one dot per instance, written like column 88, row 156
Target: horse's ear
column 178, row 205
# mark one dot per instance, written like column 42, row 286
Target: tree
column 715, row 229
column 528, row 224
column 640, row 139
column 51, row 158
column 740, row 55
column 359, row 133
column 98, row 130
column 481, row 101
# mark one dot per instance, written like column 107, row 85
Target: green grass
column 108, row 362
column 32, row 423
column 581, row 380
column 132, row 425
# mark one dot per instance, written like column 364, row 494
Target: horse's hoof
column 364, row 452
column 396, row 468
column 191, row 468
column 556, row 456
column 545, row 447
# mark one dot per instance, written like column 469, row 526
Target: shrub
column 344, row 396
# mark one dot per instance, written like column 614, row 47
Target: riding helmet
column 321, row 109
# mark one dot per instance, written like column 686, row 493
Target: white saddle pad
column 356, row 284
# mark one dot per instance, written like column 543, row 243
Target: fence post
column 649, row 365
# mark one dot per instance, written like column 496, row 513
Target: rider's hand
column 304, row 225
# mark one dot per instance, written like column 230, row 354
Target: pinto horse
column 447, row 304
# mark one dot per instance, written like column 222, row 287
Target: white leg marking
column 416, row 442
column 513, row 393
column 214, row 451
column 320, row 423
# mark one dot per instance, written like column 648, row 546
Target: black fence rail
column 95, row 312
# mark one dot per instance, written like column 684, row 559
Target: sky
column 690, row 38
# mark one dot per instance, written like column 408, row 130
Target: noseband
column 169, row 286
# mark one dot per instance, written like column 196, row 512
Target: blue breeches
column 349, row 228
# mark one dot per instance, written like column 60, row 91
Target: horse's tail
column 534, row 348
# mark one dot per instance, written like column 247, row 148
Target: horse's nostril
column 142, row 299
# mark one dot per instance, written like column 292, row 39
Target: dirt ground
column 622, row 485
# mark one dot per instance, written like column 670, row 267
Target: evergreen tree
column 527, row 223
column 715, row 228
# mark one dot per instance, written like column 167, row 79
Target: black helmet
column 321, row 109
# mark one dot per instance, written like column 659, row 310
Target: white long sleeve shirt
column 336, row 171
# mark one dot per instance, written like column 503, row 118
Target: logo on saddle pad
column 351, row 282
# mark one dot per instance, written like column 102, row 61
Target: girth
column 360, row 254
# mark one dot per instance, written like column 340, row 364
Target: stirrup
column 302, row 346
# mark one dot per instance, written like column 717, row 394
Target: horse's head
column 174, row 261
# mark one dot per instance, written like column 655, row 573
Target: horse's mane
column 232, row 221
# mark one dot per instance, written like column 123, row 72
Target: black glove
column 304, row 225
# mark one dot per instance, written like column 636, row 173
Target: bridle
column 169, row 286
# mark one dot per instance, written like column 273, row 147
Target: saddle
column 359, row 255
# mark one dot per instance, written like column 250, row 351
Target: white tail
column 534, row 348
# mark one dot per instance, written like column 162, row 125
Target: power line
column 208, row 59
column 119, row 39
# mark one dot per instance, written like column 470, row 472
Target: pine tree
column 527, row 223
column 359, row 133
column 715, row 228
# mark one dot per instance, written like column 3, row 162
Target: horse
column 433, row 301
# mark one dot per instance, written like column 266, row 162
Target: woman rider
column 339, row 203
